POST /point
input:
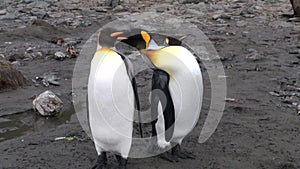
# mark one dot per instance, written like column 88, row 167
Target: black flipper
column 137, row 104
column 130, row 73
column 161, row 93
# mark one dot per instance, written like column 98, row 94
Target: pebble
column 59, row 56
column 2, row 57
column 118, row 8
column 101, row 10
column 38, row 13
column 254, row 55
column 3, row 12
column 194, row 12
column 241, row 23
column 161, row 9
column 294, row 52
column 38, row 4
column 48, row 104
column 281, row 24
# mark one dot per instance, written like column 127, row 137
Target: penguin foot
column 154, row 148
column 169, row 157
column 181, row 153
column 101, row 162
column 122, row 162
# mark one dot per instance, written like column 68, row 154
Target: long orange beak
column 122, row 38
column 115, row 34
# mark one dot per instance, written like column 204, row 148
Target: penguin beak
column 182, row 38
column 122, row 38
column 115, row 34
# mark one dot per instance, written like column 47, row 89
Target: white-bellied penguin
column 112, row 99
column 178, row 75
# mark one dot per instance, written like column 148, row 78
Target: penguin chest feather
column 111, row 103
column 185, row 86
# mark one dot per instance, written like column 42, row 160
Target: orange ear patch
column 146, row 38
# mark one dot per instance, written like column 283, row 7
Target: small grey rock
column 41, row 14
column 48, row 104
column 38, row 4
column 3, row 12
column 59, row 56
column 281, row 24
column 99, row 9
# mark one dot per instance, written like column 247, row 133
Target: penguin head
column 139, row 39
column 108, row 37
column 171, row 41
column 159, row 57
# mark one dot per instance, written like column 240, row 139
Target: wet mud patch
column 19, row 124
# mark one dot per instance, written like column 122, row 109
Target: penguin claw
column 99, row 166
column 101, row 162
column 182, row 153
column 122, row 162
column 169, row 157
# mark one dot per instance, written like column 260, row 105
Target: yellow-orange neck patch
column 146, row 38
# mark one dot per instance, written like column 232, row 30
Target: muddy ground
column 260, row 51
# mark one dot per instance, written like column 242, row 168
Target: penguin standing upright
column 178, row 75
column 111, row 101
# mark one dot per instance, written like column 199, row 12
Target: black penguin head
column 138, row 39
column 107, row 37
column 170, row 41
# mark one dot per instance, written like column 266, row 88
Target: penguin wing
column 161, row 94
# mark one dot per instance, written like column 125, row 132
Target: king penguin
column 111, row 101
column 178, row 75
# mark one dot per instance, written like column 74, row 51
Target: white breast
column 186, row 88
column 111, row 103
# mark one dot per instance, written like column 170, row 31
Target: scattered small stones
column 41, row 14
column 38, row 4
column 221, row 16
column 48, row 104
column 72, row 52
column 59, row 56
column 119, row 8
column 2, row 57
column 47, row 79
column 29, row 54
column 99, row 9
column 254, row 55
column 241, row 23
column 294, row 52
column 247, row 13
column 194, row 12
column 281, row 24
column 233, row 100
column 50, row 78
column 3, row 12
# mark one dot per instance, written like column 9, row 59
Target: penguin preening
column 178, row 75
column 111, row 101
